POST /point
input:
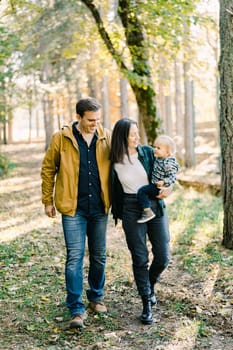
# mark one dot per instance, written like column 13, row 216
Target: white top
column 131, row 175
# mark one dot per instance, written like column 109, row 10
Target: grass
column 6, row 165
column 34, row 315
column 196, row 231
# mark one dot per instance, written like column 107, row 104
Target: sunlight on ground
column 18, row 228
column 21, row 219
column 203, row 230
column 209, row 283
column 185, row 336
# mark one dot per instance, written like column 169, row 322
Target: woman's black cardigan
column 146, row 157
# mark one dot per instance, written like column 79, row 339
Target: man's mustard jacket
column 60, row 170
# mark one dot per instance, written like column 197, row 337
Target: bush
column 5, row 165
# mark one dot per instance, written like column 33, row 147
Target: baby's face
column 161, row 150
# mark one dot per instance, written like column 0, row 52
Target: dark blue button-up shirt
column 89, row 188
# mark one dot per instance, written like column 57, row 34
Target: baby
column 163, row 174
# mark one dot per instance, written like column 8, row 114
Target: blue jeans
column 157, row 230
column 145, row 193
column 76, row 229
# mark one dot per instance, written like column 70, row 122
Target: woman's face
column 133, row 138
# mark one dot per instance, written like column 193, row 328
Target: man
column 76, row 169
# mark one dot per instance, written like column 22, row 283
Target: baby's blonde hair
column 167, row 140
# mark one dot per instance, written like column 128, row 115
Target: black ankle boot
column 146, row 317
column 153, row 299
column 153, row 296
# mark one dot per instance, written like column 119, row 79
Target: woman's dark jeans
column 136, row 237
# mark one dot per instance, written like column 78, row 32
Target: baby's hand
column 160, row 183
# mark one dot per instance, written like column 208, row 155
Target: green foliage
column 8, row 55
column 57, row 36
column 199, row 217
column 9, row 46
column 49, row 40
column 9, row 43
column 5, row 165
column 179, row 306
column 163, row 22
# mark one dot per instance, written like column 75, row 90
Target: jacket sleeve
column 171, row 168
column 50, row 166
column 146, row 156
column 116, row 196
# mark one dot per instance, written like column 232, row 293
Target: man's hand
column 50, row 211
column 165, row 192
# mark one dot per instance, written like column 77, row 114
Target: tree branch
column 127, row 11
column 103, row 33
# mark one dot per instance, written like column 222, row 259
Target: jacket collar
column 67, row 131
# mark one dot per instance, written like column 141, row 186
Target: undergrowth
column 32, row 296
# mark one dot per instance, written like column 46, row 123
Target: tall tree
column 139, row 76
column 226, row 117
column 179, row 117
column 124, row 98
column 136, row 65
column 8, row 56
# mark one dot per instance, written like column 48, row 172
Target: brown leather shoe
column 98, row 307
column 77, row 320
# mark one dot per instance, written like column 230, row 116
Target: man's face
column 88, row 123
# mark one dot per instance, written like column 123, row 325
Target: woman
column 132, row 166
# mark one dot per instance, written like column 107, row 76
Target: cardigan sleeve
column 116, row 196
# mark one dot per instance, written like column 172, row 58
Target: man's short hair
column 87, row 104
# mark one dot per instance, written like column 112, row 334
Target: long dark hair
column 119, row 142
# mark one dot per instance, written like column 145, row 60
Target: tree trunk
column 58, row 112
column 168, row 116
column 37, row 123
column 226, row 117
column 30, row 121
column 161, row 101
column 69, row 98
column 139, row 76
column 124, row 98
column 9, row 114
column 10, row 126
column 188, row 120
column 5, row 132
column 105, row 102
column 179, row 117
column 161, row 90
column 92, row 84
column 35, row 94
column 48, row 120
column 4, row 117
column 92, row 81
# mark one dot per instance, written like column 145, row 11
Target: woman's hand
column 165, row 192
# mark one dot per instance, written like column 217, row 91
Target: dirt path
column 188, row 315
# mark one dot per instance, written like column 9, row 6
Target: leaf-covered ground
column 195, row 293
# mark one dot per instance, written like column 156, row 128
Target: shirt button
column 90, row 195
